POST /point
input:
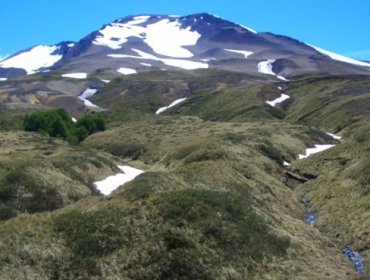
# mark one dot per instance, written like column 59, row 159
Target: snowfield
column 89, row 92
column 75, row 75
column 317, row 149
column 34, row 59
column 126, row 71
column 111, row 183
column 3, row 79
column 265, row 67
column 179, row 63
column 280, row 99
column 245, row 53
column 165, row 37
column 162, row 109
column 334, row 136
column 339, row 57
column 146, row 64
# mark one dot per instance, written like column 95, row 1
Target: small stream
column 354, row 256
column 356, row 260
column 311, row 217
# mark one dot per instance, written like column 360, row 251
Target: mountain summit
column 161, row 42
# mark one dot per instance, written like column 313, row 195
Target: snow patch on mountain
column 89, row 92
column 3, row 79
column 317, row 149
column 75, row 75
column 339, row 57
column 34, row 59
column 334, row 136
column 245, row 53
column 265, row 67
column 180, row 63
column 126, row 71
column 280, row 99
column 146, row 64
column 168, row 38
column 111, row 183
column 249, row 29
column 208, row 59
column 174, row 103
column 165, row 37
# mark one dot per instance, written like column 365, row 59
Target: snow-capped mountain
column 158, row 42
column 36, row 59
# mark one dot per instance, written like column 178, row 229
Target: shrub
column 271, row 152
column 6, row 212
column 92, row 123
column 90, row 234
column 58, row 123
column 226, row 221
column 7, row 192
column 131, row 150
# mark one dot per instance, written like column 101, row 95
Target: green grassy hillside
column 215, row 201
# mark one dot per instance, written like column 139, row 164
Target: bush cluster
column 58, row 123
column 22, row 192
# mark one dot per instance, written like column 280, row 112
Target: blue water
column 356, row 259
column 311, row 218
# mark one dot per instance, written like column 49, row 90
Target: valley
column 255, row 167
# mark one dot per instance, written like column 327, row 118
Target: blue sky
column 337, row 25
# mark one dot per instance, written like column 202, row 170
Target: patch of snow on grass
column 34, row 59
column 74, row 120
column 180, row 63
column 341, row 58
column 285, row 163
column 317, row 149
column 126, row 71
column 280, row 99
column 334, row 136
column 160, row 110
column 75, row 75
column 111, row 183
column 164, row 37
column 105, row 81
column 245, row 53
column 89, row 92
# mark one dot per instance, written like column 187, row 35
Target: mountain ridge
column 187, row 44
